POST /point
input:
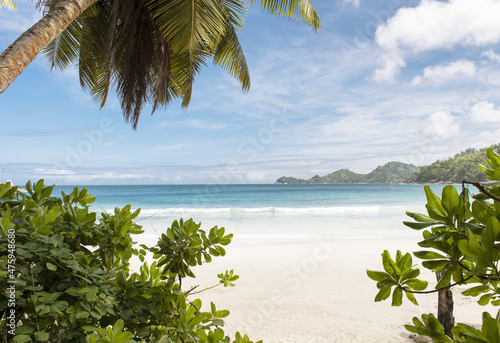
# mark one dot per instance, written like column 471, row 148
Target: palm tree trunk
column 24, row 50
column 445, row 308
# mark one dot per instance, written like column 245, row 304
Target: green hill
column 463, row 166
column 392, row 172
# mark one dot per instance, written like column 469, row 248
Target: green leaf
column 59, row 306
column 95, row 314
column 397, row 297
column 383, row 294
column 218, row 335
column 485, row 299
column 387, row 282
column 428, row 255
column 490, row 234
column 411, row 297
column 51, row 266
column 404, row 264
column 434, row 203
column 89, row 328
column 122, row 337
column 21, row 338
column 41, row 336
column 118, row 327
column 389, row 266
column 419, row 226
column 420, row 217
column 82, row 314
column 471, row 247
column 445, row 279
column 24, row 329
column 475, row 291
column 418, row 285
column 376, row 276
column 490, row 328
column 435, row 265
column 49, row 298
column 450, row 200
column 223, row 313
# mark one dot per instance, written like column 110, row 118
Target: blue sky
column 409, row 81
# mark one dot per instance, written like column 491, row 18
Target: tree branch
column 482, row 189
column 204, row 289
column 437, row 290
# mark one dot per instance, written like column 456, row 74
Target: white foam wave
column 234, row 211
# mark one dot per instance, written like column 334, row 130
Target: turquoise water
column 255, row 196
column 274, row 212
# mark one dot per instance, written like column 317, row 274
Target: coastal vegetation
column 463, row 166
column 460, row 240
column 66, row 274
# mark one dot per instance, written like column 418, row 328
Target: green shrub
column 65, row 272
column 462, row 241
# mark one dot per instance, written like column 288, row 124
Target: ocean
column 271, row 213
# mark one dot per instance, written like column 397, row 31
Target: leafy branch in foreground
column 462, row 246
column 69, row 269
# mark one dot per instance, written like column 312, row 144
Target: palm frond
column 94, row 67
column 184, row 68
column 65, row 49
column 230, row 56
column 133, row 56
column 189, row 24
column 161, row 90
column 300, row 10
column 152, row 50
column 8, row 4
column 235, row 10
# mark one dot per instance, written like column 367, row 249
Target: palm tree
column 150, row 50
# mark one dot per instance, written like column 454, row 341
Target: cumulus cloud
column 491, row 55
column 391, row 65
column 485, row 112
column 440, row 125
column 441, row 73
column 434, row 25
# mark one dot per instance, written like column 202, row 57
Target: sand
column 315, row 291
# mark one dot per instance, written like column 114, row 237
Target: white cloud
column 441, row 73
column 440, row 125
column 487, row 138
column 355, row 3
column 485, row 112
column 54, row 171
column 491, row 55
column 434, row 25
column 391, row 65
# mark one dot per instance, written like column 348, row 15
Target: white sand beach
column 315, row 292
column 303, row 269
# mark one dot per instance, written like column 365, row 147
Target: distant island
column 392, row 172
column 463, row 166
